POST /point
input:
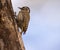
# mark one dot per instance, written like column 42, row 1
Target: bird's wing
column 20, row 16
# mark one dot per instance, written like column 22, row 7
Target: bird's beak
column 19, row 8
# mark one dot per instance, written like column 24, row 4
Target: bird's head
column 25, row 8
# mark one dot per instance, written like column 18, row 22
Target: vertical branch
column 11, row 38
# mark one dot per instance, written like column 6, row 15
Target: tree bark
column 10, row 38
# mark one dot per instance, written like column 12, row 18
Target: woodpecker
column 23, row 19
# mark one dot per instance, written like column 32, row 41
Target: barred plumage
column 23, row 19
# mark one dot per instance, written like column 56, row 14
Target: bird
column 23, row 19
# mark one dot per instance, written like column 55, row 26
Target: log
column 10, row 38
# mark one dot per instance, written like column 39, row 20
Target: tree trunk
column 10, row 38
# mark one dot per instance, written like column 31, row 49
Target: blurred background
column 44, row 28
